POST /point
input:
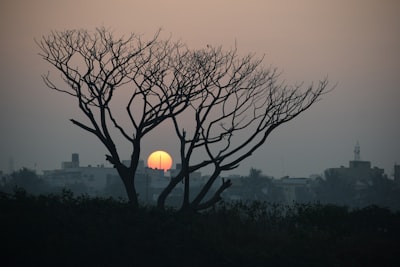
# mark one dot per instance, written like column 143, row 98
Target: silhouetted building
column 295, row 189
column 397, row 173
column 2, row 178
column 149, row 182
column 74, row 163
column 92, row 180
column 359, row 172
column 75, row 160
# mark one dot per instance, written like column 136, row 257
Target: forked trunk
column 129, row 184
column 131, row 191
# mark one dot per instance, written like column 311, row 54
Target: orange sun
column 159, row 160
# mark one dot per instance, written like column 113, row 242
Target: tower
column 397, row 173
column 75, row 160
column 11, row 165
column 357, row 162
column 357, row 152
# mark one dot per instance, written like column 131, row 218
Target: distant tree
column 26, row 179
column 381, row 191
column 336, row 189
column 259, row 187
column 77, row 188
column 253, row 185
column 304, row 195
column 222, row 106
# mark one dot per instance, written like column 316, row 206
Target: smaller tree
column 26, row 179
column 381, row 191
column 335, row 188
column 257, row 186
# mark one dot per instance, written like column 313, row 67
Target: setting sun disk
column 159, row 160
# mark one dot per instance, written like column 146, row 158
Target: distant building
column 2, row 178
column 74, row 163
column 72, row 174
column 196, row 179
column 397, row 173
column 295, row 189
column 260, row 188
column 149, row 182
column 360, row 172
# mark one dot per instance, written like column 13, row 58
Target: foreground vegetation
column 63, row 230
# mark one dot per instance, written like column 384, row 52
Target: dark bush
column 64, row 230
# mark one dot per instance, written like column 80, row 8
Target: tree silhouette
column 259, row 187
column 381, row 191
column 148, row 76
column 222, row 106
column 336, row 189
column 240, row 104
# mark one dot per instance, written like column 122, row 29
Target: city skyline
column 144, row 163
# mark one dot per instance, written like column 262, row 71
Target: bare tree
column 222, row 106
column 95, row 66
column 240, row 104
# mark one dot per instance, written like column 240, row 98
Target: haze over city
column 355, row 43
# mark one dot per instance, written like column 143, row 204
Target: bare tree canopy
column 221, row 105
column 240, row 105
column 94, row 66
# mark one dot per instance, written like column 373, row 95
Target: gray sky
column 355, row 42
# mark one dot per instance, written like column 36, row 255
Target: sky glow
column 355, row 43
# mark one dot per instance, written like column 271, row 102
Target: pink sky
column 355, row 42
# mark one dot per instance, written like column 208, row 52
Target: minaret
column 357, row 152
column 11, row 165
column 75, row 160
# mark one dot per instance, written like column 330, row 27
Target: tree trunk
column 185, row 204
column 206, row 188
column 129, row 183
column 215, row 198
column 131, row 192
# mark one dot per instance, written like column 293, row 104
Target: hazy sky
column 355, row 42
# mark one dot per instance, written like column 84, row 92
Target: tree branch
column 216, row 197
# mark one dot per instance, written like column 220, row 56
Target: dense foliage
column 63, row 230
